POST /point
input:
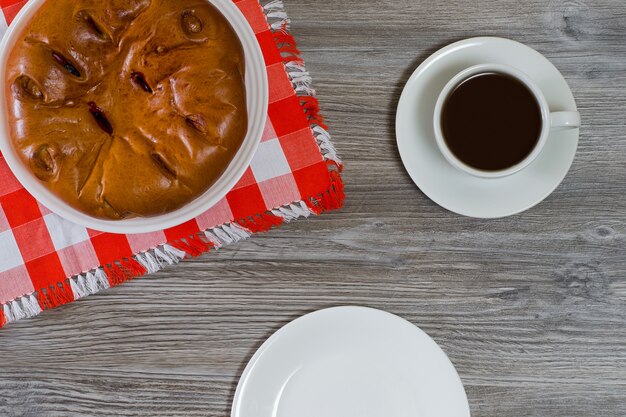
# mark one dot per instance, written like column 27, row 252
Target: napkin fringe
column 293, row 211
column 153, row 260
column 300, row 77
column 89, row 283
column 334, row 197
column 276, row 15
column 25, row 307
column 54, row 296
column 326, row 145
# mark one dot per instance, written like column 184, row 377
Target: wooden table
column 531, row 309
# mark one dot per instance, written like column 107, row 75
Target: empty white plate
column 350, row 362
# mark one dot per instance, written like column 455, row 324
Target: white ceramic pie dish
column 257, row 101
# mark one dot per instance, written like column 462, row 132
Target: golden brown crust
column 127, row 108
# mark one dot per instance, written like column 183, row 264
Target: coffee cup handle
column 565, row 120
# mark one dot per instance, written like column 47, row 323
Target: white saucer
column 460, row 192
column 350, row 362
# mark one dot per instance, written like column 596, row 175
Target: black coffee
column 491, row 121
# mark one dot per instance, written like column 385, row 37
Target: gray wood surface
column 531, row 309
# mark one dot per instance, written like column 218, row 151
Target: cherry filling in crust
column 140, row 80
column 131, row 107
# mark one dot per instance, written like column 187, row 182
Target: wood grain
column 531, row 309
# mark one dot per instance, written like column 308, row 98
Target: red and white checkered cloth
column 46, row 261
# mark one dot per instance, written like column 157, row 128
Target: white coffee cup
column 550, row 120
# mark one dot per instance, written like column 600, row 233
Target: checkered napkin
column 46, row 261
